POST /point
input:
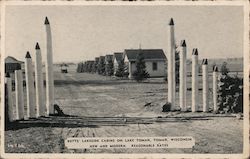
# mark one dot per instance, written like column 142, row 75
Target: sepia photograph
column 124, row 79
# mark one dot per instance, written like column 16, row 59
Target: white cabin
column 155, row 61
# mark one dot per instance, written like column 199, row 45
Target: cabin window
column 154, row 66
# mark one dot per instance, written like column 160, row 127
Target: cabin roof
column 148, row 54
column 118, row 56
column 108, row 58
column 11, row 59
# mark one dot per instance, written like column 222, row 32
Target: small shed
column 12, row 64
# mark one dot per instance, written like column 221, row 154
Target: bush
column 121, row 71
column 230, row 94
column 101, row 67
column 140, row 74
column 110, row 68
column 166, row 107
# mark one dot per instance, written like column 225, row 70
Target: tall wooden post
column 205, row 85
column 49, row 70
column 30, row 87
column 183, row 75
column 10, row 99
column 40, row 104
column 171, row 65
column 195, row 80
column 19, row 94
column 215, row 88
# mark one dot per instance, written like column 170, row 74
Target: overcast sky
column 84, row 32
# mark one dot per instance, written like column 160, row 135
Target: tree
column 101, row 67
column 87, row 67
column 140, row 74
column 95, row 67
column 110, row 68
column 92, row 67
column 121, row 71
column 224, row 70
column 79, row 67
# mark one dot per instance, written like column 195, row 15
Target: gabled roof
column 108, row 58
column 90, row 61
column 11, row 59
column 148, row 54
column 97, row 60
column 118, row 56
column 102, row 58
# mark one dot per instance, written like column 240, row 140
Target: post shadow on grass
column 47, row 121
column 100, row 82
column 61, row 120
column 21, row 124
column 167, row 108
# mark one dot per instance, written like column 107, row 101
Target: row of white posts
column 35, row 95
column 183, row 76
column 205, row 88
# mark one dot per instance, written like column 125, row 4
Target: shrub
column 140, row 74
column 166, row 107
column 121, row 71
column 110, row 68
column 230, row 94
column 101, row 67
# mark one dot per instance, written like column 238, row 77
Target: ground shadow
column 61, row 120
column 38, row 123
column 67, row 121
column 101, row 82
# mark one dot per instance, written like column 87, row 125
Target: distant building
column 117, row 58
column 12, row 64
column 155, row 61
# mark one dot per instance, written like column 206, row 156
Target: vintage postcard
column 124, row 79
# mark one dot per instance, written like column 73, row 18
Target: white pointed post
column 31, row 113
column 9, row 96
column 171, row 65
column 40, row 105
column 49, row 70
column 205, row 85
column 183, row 86
column 215, row 88
column 19, row 94
column 195, row 80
